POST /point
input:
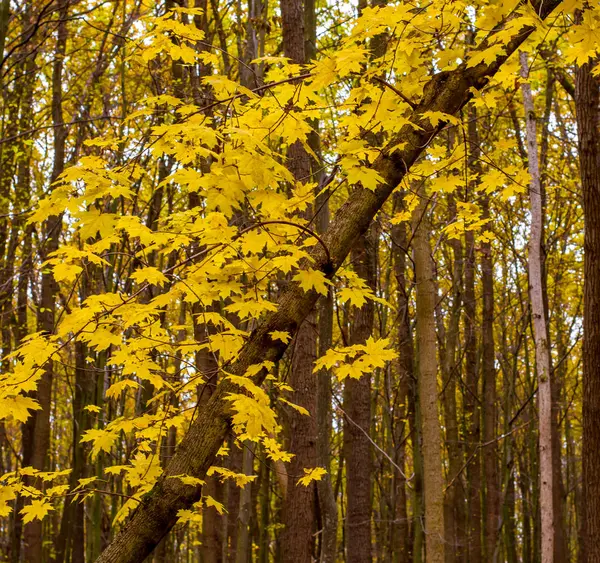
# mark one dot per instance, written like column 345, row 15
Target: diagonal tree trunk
column 447, row 92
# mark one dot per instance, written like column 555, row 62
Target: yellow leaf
column 102, row 440
column 212, row 502
column 311, row 475
column 437, row 117
column 151, row 275
column 300, row 409
column 312, row 279
column 38, row 509
column 189, row 480
column 18, row 407
column 280, row 335
column 7, row 494
column 368, row 177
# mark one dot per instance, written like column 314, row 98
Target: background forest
column 299, row 281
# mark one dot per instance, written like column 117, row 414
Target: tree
column 253, row 227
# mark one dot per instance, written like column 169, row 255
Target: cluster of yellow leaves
column 227, row 257
column 356, row 360
column 40, row 500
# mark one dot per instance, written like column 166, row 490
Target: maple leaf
column 7, row 494
column 298, row 408
column 241, row 479
column 212, row 502
column 437, row 117
column 487, row 56
column 378, row 351
column 311, row 475
column 117, row 388
column 312, row 279
column 66, row 272
column 369, row 178
column 18, row 407
column 280, row 335
column 94, row 221
column 189, row 480
column 356, row 296
column 251, row 308
column 255, row 241
column 102, row 440
column 274, row 450
column 151, row 275
column 38, row 509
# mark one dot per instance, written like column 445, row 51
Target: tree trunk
column 38, row 425
column 428, row 391
column 588, row 123
column 400, row 537
column 488, row 376
column 446, row 92
column 540, row 330
column 471, row 406
column 327, row 503
column 454, row 517
column 299, row 508
column 357, row 418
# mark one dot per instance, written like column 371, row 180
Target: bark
column 488, row 371
column 428, row 391
column 588, row 123
column 447, row 92
column 243, row 549
column 488, row 376
column 357, row 419
column 327, row 503
column 558, row 487
column 38, row 425
column 326, row 499
column 299, row 506
column 540, row 329
column 212, row 521
column 400, row 536
column 471, row 406
column 299, row 503
column 454, row 500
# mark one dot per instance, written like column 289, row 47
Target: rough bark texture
column 488, row 376
column 428, row 391
column 299, row 503
column 37, row 429
column 400, row 537
column 327, row 503
column 540, row 330
column 588, row 124
column 472, row 406
column 157, row 513
column 299, row 506
column 357, row 419
column 454, row 499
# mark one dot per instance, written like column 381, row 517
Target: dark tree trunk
column 447, row 92
column 299, row 507
column 588, row 122
column 37, row 427
column 357, row 418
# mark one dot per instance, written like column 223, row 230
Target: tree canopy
column 301, row 280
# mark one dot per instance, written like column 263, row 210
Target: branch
column 446, row 92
